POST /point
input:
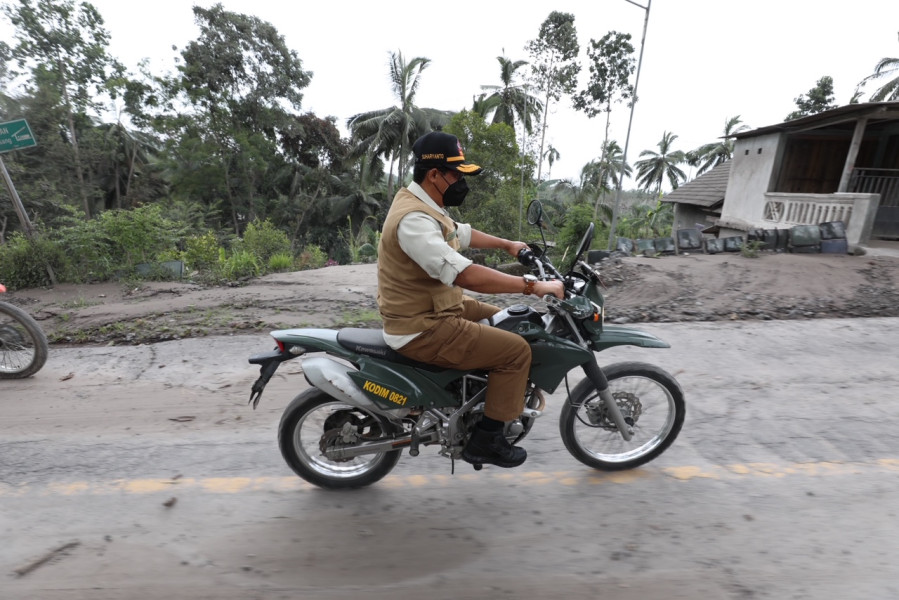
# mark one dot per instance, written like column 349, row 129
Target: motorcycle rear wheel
column 645, row 394
column 313, row 420
column 23, row 346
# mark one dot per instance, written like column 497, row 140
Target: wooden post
column 849, row 165
column 16, row 201
column 23, row 216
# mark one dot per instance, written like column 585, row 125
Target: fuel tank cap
column 516, row 310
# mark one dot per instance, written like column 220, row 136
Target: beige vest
column 409, row 299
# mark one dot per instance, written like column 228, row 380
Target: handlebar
column 541, row 264
column 527, row 257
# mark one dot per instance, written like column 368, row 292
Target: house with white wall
column 838, row 165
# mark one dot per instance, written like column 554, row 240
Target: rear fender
column 312, row 340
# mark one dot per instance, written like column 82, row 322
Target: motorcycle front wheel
column 649, row 399
column 314, row 423
column 23, row 346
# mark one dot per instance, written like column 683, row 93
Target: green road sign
column 15, row 135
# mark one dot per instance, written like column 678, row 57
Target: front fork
column 598, row 378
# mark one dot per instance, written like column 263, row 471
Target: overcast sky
column 704, row 60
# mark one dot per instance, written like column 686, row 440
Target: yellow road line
column 583, row 476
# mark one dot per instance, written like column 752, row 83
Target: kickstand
column 452, row 466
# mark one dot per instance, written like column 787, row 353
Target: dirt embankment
column 670, row 288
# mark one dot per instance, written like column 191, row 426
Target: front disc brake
column 628, row 403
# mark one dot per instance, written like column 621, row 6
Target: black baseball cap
column 441, row 150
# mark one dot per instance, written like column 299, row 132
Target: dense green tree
column 818, row 99
column 124, row 165
column 554, row 67
column 44, row 175
column 241, row 81
column 328, row 190
column 63, row 45
column 709, row 156
column 885, row 69
column 653, row 170
column 611, row 65
column 313, row 141
column 493, row 202
column 645, row 220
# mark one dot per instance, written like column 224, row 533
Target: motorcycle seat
column 370, row 342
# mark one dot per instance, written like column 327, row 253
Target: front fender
column 612, row 335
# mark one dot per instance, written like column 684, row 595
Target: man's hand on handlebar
column 550, row 288
column 526, row 256
column 516, row 248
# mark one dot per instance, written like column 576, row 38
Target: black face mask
column 455, row 193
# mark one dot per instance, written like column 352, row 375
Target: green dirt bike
column 23, row 346
column 367, row 403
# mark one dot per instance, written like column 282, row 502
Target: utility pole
column 627, row 140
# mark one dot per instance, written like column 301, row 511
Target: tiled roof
column 706, row 190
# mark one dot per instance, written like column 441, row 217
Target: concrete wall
column 856, row 211
column 687, row 216
column 752, row 173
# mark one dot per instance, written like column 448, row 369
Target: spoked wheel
column 314, row 429
column 650, row 400
column 23, row 346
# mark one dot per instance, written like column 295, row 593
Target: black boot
column 492, row 448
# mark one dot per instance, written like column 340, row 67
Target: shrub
column 367, row 252
column 24, row 262
column 312, row 257
column 115, row 242
column 201, row 252
column 89, row 251
column 263, row 240
column 139, row 235
column 239, row 265
column 577, row 219
column 280, row 262
column 751, row 249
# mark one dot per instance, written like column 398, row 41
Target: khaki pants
column 461, row 343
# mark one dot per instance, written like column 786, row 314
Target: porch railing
column 857, row 211
column 806, row 209
column 877, row 181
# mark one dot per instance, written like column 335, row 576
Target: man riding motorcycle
column 421, row 275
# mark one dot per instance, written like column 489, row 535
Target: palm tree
column 551, row 156
column 483, row 105
column 889, row 91
column 390, row 132
column 658, row 166
column 713, row 154
column 509, row 101
column 606, row 171
column 600, row 176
